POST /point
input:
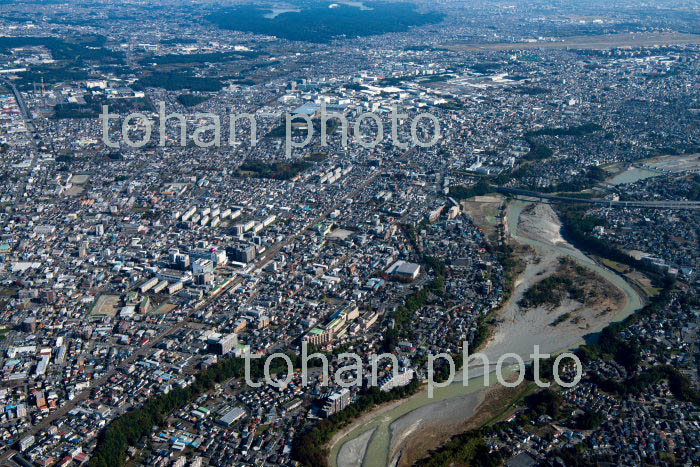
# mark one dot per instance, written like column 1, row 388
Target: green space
column 93, row 107
column 466, row 449
column 531, row 90
column 461, row 192
column 275, row 170
column 191, row 100
column 89, row 47
column 175, row 81
column 451, row 105
column 73, row 57
column 51, row 74
column 578, row 130
column 539, row 151
column 486, row 67
column 561, row 319
column 197, row 58
column 321, row 24
column 550, row 292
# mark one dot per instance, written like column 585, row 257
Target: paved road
column 35, row 137
column 268, row 256
column 662, row 204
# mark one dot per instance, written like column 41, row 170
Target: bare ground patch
column 485, row 212
column 497, row 402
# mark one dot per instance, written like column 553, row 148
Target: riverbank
column 516, row 332
column 354, row 451
column 350, row 456
column 425, row 426
column 492, row 402
column 623, row 174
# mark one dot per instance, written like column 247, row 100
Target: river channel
column 377, row 453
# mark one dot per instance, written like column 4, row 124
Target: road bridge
column 656, row 204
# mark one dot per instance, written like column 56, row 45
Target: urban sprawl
column 144, row 286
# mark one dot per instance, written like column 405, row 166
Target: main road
column 268, row 256
column 661, row 204
column 34, row 136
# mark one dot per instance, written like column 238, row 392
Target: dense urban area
column 188, row 188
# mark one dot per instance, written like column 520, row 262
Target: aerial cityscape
column 349, row 233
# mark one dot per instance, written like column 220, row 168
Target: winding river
column 378, row 450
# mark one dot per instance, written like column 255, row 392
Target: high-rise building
column 242, row 253
column 29, row 324
column 221, row 345
column 336, row 402
column 202, row 266
column 203, row 278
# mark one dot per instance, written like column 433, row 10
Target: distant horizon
column 341, row 233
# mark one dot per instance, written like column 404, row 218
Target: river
column 377, row 453
column 632, row 175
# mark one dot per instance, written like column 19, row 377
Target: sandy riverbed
column 427, row 420
column 540, row 222
column 518, row 332
column 352, row 452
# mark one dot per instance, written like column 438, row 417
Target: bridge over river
column 657, row 204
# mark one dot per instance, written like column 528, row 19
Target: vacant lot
column 484, row 211
column 106, row 305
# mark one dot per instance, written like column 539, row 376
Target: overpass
column 662, row 204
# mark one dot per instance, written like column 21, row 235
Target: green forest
column 174, row 81
column 550, row 292
column 128, row 429
column 191, row 100
column 274, row 170
column 322, row 24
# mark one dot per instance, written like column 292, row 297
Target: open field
column 636, row 277
column 106, row 305
column 540, row 222
column 164, row 309
column 632, row 172
column 608, row 41
column 353, row 451
column 594, row 296
column 429, row 425
column 483, row 210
